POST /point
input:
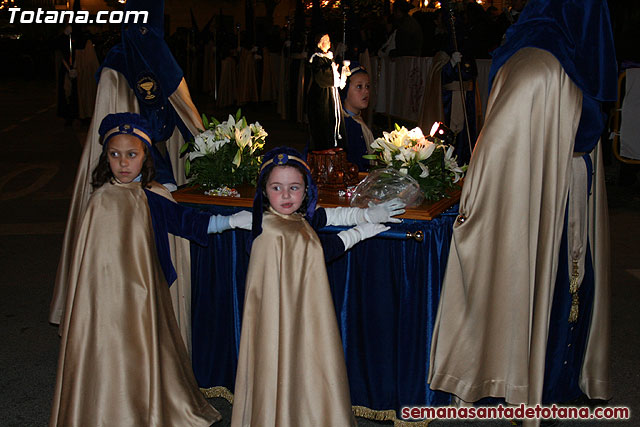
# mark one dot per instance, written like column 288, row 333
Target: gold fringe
column 358, row 411
column 573, row 281
column 574, row 286
column 573, row 314
column 217, row 391
column 388, row 415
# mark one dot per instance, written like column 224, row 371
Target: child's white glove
column 384, row 212
column 375, row 213
column 360, row 232
column 242, row 219
column 220, row 223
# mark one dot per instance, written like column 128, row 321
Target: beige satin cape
column 492, row 324
column 228, row 88
column 432, row 109
column 291, row 368
column 115, row 96
column 87, row 64
column 122, row 361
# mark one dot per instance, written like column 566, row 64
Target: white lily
column 386, row 156
column 397, row 138
column 237, row 158
column 451, row 164
column 425, row 170
column 195, row 155
column 424, row 150
column 243, row 137
column 405, row 155
column 415, row 134
column 258, row 130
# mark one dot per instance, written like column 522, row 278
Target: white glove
column 384, row 212
column 456, row 57
column 170, row 186
column 242, row 219
column 360, row 232
column 345, row 216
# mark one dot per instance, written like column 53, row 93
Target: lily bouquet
column 225, row 154
column 426, row 159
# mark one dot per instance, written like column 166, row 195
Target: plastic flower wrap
column 225, row 154
column 385, row 184
column 426, row 159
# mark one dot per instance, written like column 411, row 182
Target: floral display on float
column 224, row 154
column 428, row 159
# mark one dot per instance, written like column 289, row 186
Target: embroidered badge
column 147, row 88
column 126, row 128
column 281, row 159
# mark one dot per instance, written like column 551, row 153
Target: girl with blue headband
column 291, row 368
column 122, row 359
column 355, row 99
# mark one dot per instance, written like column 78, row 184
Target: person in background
column 408, row 37
column 355, row 99
column 65, row 49
column 324, row 110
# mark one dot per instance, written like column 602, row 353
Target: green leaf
column 370, row 156
column 187, row 167
column 184, row 147
column 205, row 121
column 238, row 115
column 238, row 158
column 214, row 122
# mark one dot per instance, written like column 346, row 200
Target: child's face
column 126, row 156
column 285, row 189
column 358, row 94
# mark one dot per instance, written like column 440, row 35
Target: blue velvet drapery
column 385, row 292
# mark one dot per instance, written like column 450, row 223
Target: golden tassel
column 573, row 289
column 573, row 314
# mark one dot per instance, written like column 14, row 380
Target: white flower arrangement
column 225, row 154
column 426, row 159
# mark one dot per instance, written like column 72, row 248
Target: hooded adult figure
column 139, row 75
column 524, row 309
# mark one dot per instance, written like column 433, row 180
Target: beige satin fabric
column 87, row 64
column 122, row 360
column 228, row 88
column 115, row 96
column 291, row 368
column 456, row 122
column 432, row 109
column 595, row 374
column 269, row 86
column 492, row 324
column 247, row 83
column 209, row 76
column 181, row 101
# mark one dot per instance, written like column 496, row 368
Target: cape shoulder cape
column 493, row 320
column 115, row 96
column 122, row 360
column 291, row 368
